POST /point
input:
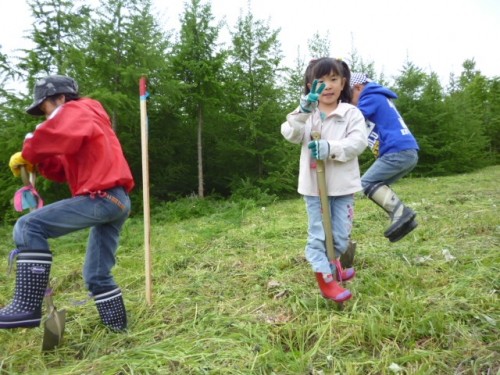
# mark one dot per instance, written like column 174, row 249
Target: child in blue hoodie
column 395, row 150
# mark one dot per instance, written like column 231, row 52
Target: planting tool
column 325, row 206
column 347, row 259
column 325, row 210
column 145, row 186
column 53, row 329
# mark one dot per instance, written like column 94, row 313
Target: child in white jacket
column 325, row 109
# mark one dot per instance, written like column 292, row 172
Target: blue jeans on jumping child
column 104, row 213
column 342, row 213
column 389, row 168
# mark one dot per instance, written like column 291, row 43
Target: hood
column 375, row 88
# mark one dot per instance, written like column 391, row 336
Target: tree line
column 214, row 111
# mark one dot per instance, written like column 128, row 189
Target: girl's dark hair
column 67, row 97
column 327, row 65
column 308, row 75
column 70, row 97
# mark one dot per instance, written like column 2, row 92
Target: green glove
column 309, row 102
column 320, row 149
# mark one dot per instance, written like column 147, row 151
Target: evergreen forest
column 215, row 109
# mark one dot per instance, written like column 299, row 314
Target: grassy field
column 233, row 294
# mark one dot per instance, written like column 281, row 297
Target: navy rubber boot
column 112, row 309
column 32, row 277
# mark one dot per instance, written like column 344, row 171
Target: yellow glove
column 16, row 161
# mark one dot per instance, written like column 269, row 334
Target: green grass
column 233, row 293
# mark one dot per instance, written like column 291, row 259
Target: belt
column 106, row 195
column 113, row 199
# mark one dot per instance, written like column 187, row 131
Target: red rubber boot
column 330, row 289
column 343, row 274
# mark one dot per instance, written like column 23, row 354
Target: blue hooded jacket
column 388, row 132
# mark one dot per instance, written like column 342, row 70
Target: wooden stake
column 145, row 187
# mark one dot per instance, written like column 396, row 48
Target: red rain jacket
column 77, row 145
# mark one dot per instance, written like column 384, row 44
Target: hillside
column 233, row 294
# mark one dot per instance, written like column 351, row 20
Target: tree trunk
column 200, row 152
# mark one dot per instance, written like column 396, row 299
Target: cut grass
column 233, row 294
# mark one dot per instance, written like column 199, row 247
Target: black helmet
column 49, row 86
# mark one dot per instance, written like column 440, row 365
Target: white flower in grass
column 447, row 255
column 395, row 368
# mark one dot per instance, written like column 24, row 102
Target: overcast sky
column 436, row 35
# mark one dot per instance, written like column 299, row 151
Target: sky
column 436, row 35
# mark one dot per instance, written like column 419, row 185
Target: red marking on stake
column 142, row 87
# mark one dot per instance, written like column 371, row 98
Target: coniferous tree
column 421, row 105
column 123, row 44
column 410, row 87
column 68, row 41
column 482, row 94
column 319, row 46
column 492, row 118
column 255, row 102
column 466, row 145
column 56, row 30
column 197, row 63
column 11, row 116
column 214, row 114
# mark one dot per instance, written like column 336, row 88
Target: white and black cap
column 359, row 78
column 49, row 86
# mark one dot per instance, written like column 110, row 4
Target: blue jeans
column 389, row 168
column 342, row 214
column 105, row 217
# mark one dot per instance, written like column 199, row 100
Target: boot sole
column 32, row 323
column 348, row 297
column 403, row 231
column 406, row 220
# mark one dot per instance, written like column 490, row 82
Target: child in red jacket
column 76, row 145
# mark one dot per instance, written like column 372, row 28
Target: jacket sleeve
column 293, row 128
column 355, row 140
column 53, row 169
column 62, row 133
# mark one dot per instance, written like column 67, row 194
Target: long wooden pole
column 145, row 187
column 325, row 206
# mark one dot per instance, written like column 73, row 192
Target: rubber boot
column 330, row 289
column 343, row 274
column 347, row 259
column 32, row 277
column 405, row 229
column 399, row 214
column 112, row 309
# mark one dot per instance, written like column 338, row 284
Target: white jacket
column 345, row 131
